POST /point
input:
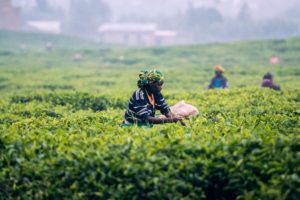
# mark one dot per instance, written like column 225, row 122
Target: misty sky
column 260, row 9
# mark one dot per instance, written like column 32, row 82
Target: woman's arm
column 172, row 115
column 211, row 84
column 156, row 120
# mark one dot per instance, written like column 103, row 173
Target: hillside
column 245, row 62
column 23, row 41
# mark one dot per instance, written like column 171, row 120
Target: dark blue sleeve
column 160, row 104
column 139, row 105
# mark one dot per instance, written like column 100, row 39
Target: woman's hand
column 175, row 118
column 168, row 119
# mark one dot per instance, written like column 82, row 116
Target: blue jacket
column 139, row 106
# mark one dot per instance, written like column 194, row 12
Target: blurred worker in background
column 218, row 81
column 268, row 82
column 274, row 60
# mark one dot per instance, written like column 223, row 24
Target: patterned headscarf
column 148, row 77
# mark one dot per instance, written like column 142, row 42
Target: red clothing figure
column 274, row 60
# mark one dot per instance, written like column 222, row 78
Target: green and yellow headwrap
column 148, row 77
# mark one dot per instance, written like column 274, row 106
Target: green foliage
column 60, row 136
column 77, row 101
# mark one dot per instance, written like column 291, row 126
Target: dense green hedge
column 163, row 170
column 76, row 100
column 56, row 146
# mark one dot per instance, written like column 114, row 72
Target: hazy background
column 201, row 21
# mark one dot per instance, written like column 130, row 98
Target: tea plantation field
column 59, row 122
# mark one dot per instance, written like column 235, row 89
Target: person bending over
column 147, row 99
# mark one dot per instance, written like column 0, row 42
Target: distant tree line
column 206, row 24
column 42, row 11
column 86, row 16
